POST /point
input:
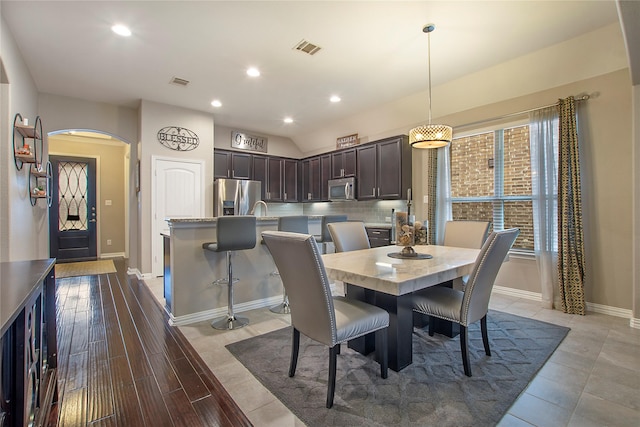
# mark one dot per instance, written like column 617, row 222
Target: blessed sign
column 347, row 141
column 177, row 138
column 244, row 141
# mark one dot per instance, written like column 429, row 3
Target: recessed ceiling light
column 121, row 30
column 216, row 103
column 335, row 98
column 288, row 120
column 253, row 72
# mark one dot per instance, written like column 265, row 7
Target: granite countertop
column 214, row 219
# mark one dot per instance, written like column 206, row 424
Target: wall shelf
column 23, row 151
column 38, row 190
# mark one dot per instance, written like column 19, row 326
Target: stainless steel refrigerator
column 235, row 196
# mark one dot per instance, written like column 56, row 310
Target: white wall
column 24, row 228
column 153, row 117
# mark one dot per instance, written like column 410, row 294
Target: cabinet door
column 349, row 162
column 221, row 164
column 290, row 180
column 305, row 182
column 259, row 173
column 343, row 163
column 325, row 176
column 389, row 166
column 314, row 178
column 240, row 166
column 274, row 179
column 367, row 172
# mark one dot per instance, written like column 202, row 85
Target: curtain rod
column 519, row 113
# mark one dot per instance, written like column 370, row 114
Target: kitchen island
column 190, row 270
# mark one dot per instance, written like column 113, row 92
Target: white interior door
column 177, row 193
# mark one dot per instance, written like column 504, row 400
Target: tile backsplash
column 372, row 212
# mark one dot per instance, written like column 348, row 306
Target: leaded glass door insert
column 73, row 216
column 72, row 196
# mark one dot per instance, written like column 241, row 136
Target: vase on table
column 405, row 233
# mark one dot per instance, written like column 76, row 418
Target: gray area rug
column 433, row 391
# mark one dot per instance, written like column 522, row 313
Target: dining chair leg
column 331, row 387
column 465, row 350
column 485, row 335
column 295, row 346
column 382, row 353
column 432, row 325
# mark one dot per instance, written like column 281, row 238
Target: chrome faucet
column 260, row 202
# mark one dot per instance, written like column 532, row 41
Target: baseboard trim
column 222, row 311
column 592, row 307
column 112, row 255
column 518, row 293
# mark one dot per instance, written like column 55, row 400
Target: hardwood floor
column 121, row 364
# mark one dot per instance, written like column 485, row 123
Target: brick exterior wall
column 471, row 176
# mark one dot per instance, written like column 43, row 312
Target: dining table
column 379, row 277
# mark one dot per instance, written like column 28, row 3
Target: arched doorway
column 82, row 157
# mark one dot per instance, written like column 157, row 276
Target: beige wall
column 24, row 228
column 276, row 145
column 153, row 117
column 606, row 178
column 111, row 161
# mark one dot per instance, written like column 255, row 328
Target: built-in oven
column 342, row 189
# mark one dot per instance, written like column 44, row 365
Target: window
column 491, row 181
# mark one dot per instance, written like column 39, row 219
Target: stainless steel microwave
column 342, row 189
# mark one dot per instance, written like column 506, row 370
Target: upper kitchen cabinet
column 384, row 169
column 231, row 164
column 316, row 172
column 279, row 178
column 259, row 169
column 290, row 180
column 343, row 163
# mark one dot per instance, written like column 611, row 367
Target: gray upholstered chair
column 325, row 235
column 314, row 312
column 293, row 224
column 349, row 236
column 466, row 234
column 472, row 304
column 233, row 233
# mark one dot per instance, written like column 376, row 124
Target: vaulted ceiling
column 371, row 52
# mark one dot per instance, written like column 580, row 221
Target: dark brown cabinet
column 231, row 164
column 384, row 169
column 316, row 172
column 379, row 236
column 343, row 163
column 259, row 169
column 290, row 180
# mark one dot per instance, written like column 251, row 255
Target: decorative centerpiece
column 406, row 231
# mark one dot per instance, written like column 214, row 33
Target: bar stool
column 325, row 236
column 233, row 233
column 293, row 224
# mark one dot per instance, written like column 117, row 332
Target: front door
column 72, row 215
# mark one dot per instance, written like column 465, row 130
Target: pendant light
column 430, row 136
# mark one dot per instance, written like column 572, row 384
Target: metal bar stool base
column 229, row 323
column 282, row 308
column 224, row 281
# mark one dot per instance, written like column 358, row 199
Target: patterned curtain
column 432, row 197
column 570, row 236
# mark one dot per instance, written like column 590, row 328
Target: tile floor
column 592, row 379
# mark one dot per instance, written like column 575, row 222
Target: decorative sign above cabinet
column 178, row 139
column 347, row 141
column 244, row 141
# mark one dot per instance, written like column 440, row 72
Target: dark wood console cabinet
column 28, row 343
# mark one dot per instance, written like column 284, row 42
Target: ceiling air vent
column 306, row 47
column 179, row 82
